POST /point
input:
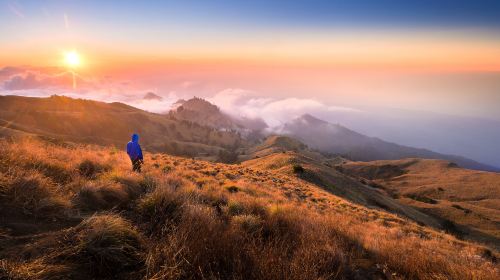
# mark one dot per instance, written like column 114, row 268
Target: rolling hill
column 469, row 199
column 438, row 193
column 314, row 174
column 278, row 144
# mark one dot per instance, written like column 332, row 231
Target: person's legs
column 136, row 165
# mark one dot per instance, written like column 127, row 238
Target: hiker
column 135, row 153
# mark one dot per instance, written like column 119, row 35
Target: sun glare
column 72, row 59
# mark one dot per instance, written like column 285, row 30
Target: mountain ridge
column 343, row 141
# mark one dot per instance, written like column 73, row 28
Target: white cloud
column 245, row 103
column 29, row 81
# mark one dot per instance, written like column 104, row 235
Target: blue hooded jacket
column 134, row 149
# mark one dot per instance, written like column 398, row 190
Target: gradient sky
column 441, row 56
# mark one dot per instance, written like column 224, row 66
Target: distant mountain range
column 467, row 136
column 337, row 139
column 194, row 127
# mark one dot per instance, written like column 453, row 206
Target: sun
column 72, row 59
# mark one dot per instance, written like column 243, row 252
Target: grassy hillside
column 316, row 174
column 278, row 144
column 95, row 122
column 469, row 199
column 76, row 211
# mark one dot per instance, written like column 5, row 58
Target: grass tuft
column 35, row 195
column 91, row 169
column 298, row 169
column 106, row 243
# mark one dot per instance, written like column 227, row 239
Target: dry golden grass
column 188, row 219
column 468, row 199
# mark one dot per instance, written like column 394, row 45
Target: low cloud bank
column 240, row 103
column 275, row 111
column 44, row 82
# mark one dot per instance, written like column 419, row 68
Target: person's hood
column 135, row 137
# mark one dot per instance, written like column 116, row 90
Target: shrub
column 35, row 194
column 248, row 223
column 423, row 199
column 466, row 211
column 131, row 184
column 232, row 189
column 165, row 259
column 161, row 208
column 450, row 227
column 254, row 207
column 213, row 198
column 167, row 168
column 56, row 171
column 282, row 224
column 35, row 269
column 101, row 195
column 235, row 208
column 298, row 169
column 148, row 183
column 175, row 182
column 210, row 247
column 90, row 169
column 106, row 243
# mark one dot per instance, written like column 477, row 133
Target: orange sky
column 361, row 49
column 392, row 62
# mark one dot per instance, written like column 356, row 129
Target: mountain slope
column 279, row 144
column 200, row 111
column 336, row 139
column 469, row 199
column 316, row 173
column 78, row 212
column 109, row 123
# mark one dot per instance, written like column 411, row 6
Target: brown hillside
column 470, row 199
column 318, row 174
column 279, row 144
column 94, row 122
column 78, row 212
